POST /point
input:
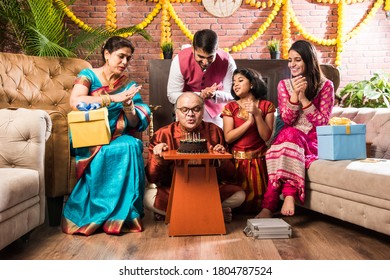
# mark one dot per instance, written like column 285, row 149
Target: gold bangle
column 105, row 100
column 128, row 109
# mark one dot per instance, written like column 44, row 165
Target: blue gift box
column 339, row 142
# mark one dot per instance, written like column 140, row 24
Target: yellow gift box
column 89, row 128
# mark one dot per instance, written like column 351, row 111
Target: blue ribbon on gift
column 82, row 106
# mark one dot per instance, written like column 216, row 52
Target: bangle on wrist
column 307, row 106
column 106, row 100
column 129, row 108
column 126, row 110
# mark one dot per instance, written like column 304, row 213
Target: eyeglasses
column 186, row 110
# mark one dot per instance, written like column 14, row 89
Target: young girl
column 247, row 125
column 305, row 101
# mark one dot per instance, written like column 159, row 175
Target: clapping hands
column 209, row 92
column 253, row 110
column 299, row 84
column 126, row 96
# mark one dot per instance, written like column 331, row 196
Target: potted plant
column 167, row 49
column 273, row 47
column 373, row 93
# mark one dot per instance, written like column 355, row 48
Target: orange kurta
column 161, row 174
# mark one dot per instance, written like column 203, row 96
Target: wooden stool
column 194, row 206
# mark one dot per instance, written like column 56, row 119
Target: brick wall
column 364, row 54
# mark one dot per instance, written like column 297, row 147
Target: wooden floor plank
column 315, row 237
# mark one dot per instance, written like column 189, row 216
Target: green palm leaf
column 38, row 26
column 17, row 16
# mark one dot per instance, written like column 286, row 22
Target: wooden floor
column 315, row 237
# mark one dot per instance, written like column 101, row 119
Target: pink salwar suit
column 295, row 147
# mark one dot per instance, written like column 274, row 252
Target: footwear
column 159, row 217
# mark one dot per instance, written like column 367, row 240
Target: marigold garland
column 387, row 6
column 339, row 41
column 111, row 15
column 259, row 32
column 340, row 31
column 168, row 13
column 165, row 24
column 286, row 31
column 72, row 16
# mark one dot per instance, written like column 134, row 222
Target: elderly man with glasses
column 205, row 70
column 189, row 110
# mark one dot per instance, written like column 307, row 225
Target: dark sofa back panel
column 272, row 70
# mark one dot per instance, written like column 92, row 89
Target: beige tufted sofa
column 356, row 191
column 45, row 83
column 23, row 134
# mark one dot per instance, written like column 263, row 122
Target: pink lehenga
column 295, row 147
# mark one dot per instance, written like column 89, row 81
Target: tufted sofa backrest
column 377, row 122
column 38, row 82
column 22, row 133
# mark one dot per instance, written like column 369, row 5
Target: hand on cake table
column 159, row 148
column 218, row 148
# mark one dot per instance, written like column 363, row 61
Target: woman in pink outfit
column 305, row 101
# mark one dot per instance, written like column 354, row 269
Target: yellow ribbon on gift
column 342, row 121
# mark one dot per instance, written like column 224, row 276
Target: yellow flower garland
column 165, row 24
column 332, row 42
column 179, row 23
column 387, row 6
column 259, row 32
column 168, row 12
column 340, row 31
column 286, row 31
column 111, row 15
column 72, row 16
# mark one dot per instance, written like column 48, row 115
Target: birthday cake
column 193, row 146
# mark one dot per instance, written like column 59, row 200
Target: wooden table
column 194, row 205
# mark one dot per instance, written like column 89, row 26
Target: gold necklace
column 110, row 85
column 241, row 102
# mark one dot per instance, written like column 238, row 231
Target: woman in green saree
column 111, row 178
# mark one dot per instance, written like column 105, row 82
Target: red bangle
column 307, row 106
column 297, row 103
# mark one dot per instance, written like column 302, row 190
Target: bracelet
column 103, row 102
column 128, row 109
column 307, row 106
column 106, row 100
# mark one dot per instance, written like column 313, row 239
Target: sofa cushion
column 16, row 186
column 44, row 83
column 360, row 180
